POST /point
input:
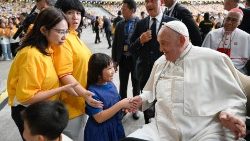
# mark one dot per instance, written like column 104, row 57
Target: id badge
column 125, row 48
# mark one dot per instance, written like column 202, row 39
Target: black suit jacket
column 183, row 14
column 146, row 53
column 118, row 42
column 245, row 24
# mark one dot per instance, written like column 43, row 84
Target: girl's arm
column 110, row 112
column 43, row 95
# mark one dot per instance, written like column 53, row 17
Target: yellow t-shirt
column 30, row 72
column 72, row 58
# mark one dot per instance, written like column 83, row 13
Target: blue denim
column 6, row 51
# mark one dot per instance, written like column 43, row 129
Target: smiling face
column 107, row 74
column 57, row 35
column 153, row 7
column 74, row 18
column 171, row 43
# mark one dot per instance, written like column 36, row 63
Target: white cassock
column 190, row 94
column 237, row 45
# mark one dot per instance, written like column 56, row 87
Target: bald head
column 233, row 20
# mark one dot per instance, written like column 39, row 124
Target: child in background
column 104, row 124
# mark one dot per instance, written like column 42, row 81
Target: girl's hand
column 69, row 88
column 91, row 101
column 125, row 103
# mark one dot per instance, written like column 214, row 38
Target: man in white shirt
column 231, row 40
column 198, row 92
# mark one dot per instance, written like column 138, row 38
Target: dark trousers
column 97, row 36
column 127, row 66
column 108, row 36
column 16, row 116
column 13, row 47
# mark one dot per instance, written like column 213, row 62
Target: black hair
column 119, row 13
column 131, row 4
column 66, row 5
column 48, row 18
column 97, row 63
column 47, row 118
column 206, row 16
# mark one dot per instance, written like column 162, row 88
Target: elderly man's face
column 153, row 7
column 232, row 21
column 170, row 44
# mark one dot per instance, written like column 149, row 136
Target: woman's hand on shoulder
column 91, row 101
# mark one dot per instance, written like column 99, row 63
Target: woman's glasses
column 61, row 31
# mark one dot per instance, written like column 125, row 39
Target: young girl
column 104, row 124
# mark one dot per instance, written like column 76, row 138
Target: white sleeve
column 207, row 41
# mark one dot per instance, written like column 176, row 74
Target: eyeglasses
column 234, row 20
column 61, row 31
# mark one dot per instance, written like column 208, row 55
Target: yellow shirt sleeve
column 63, row 58
column 30, row 73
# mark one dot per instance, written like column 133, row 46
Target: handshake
column 130, row 104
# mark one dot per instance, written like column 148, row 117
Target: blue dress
column 111, row 129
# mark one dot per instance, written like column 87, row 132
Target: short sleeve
column 63, row 59
column 30, row 79
column 91, row 110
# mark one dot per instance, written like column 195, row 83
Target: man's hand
column 145, row 37
column 91, row 101
column 234, row 123
column 135, row 104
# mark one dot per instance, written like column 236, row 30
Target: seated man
column 198, row 91
column 45, row 121
column 231, row 40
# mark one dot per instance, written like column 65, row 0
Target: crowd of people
column 189, row 79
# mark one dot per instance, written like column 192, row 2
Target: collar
column 73, row 32
column 49, row 50
column 158, row 17
column 132, row 19
column 230, row 33
column 184, row 53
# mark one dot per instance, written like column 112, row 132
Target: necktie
column 153, row 28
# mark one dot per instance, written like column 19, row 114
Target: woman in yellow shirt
column 32, row 77
column 71, row 63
